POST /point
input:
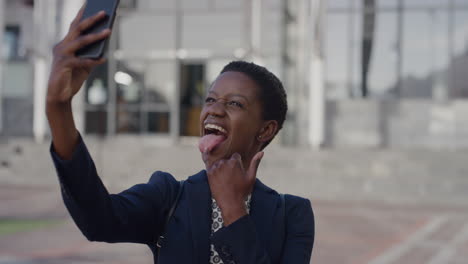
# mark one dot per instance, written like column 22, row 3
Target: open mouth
column 211, row 129
column 213, row 136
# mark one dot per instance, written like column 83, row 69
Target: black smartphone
column 97, row 49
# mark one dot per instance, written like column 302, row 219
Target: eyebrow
column 230, row 95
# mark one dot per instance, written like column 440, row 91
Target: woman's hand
column 68, row 71
column 230, row 184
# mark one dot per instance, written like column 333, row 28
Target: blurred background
column 376, row 134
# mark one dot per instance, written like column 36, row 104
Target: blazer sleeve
column 300, row 232
column 239, row 243
column 134, row 215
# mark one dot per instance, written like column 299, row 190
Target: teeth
column 211, row 126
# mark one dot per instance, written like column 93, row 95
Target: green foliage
column 10, row 226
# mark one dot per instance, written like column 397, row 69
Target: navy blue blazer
column 138, row 214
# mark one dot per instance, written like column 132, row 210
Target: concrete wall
column 17, row 81
column 17, row 99
column 397, row 123
column 395, row 175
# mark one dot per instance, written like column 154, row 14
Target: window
column 10, row 49
column 192, row 83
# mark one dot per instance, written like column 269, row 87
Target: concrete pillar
column 302, row 53
column 43, row 10
column 293, row 61
column 47, row 34
column 316, row 106
column 256, row 31
column 68, row 13
column 2, row 61
column 253, row 30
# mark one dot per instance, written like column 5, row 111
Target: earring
column 259, row 137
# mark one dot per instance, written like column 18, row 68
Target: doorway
column 192, row 87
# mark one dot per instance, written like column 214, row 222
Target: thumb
column 254, row 163
column 237, row 157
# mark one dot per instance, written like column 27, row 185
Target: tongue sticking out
column 209, row 142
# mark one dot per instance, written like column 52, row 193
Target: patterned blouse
column 217, row 223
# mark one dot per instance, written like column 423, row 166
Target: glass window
column 192, row 95
column 18, row 79
column 357, row 4
column 382, row 66
column 156, row 4
column 130, row 84
column 10, row 45
column 128, row 120
column 158, row 122
column 460, row 56
column 224, row 36
column 425, row 52
column 199, row 4
column 339, row 4
column 96, row 121
column 144, row 92
column 228, row 4
column 97, row 86
column 426, row 3
column 387, row 3
column 336, row 50
column 461, row 3
column 128, row 4
column 271, row 32
column 273, row 4
column 214, row 67
column 343, row 40
column 159, row 82
column 96, row 99
column 143, row 33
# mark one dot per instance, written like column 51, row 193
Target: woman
column 223, row 214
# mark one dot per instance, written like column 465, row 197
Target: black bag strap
column 169, row 216
column 283, row 208
column 283, row 212
column 283, row 218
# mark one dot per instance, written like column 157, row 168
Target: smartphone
column 97, row 49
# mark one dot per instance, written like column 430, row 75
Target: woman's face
column 232, row 115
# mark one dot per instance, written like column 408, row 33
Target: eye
column 209, row 100
column 236, row 104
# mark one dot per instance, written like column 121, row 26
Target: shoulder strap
column 283, row 213
column 283, row 223
column 283, row 207
column 169, row 216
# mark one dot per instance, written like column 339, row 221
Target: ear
column 268, row 131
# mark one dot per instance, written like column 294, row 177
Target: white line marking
column 400, row 249
column 446, row 253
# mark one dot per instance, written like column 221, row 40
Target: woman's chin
column 216, row 154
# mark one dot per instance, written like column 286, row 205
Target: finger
column 83, row 41
column 86, row 24
column 213, row 166
column 78, row 16
column 252, row 172
column 86, row 63
column 238, row 159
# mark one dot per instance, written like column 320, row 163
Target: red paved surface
column 346, row 232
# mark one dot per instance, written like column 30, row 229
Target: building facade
column 357, row 73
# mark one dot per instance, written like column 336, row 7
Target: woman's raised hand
column 68, row 71
column 230, row 184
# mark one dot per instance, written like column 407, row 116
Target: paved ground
column 394, row 206
column 346, row 232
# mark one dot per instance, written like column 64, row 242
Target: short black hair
column 272, row 93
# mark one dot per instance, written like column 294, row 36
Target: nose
column 217, row 108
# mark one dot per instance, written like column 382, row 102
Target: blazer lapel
column 199, row 199
column 263, row 208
